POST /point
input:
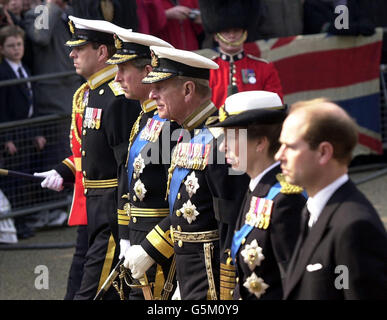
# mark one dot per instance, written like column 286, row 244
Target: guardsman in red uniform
column 238, row 70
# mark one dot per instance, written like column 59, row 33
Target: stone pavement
column 20, row 271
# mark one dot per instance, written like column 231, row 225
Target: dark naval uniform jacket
column 143, row 203
column 344, row 255
column 264, row 253
column 106, row 122
column 191, row 229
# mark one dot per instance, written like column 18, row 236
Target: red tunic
column 251, row 73
column 78, row 215
column 181, row 34
column 70, row 168
column 151, row 16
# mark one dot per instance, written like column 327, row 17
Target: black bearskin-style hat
column 122, row 13
column 220, row 15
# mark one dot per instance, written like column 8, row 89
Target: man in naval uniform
column 269, row 221
column 143, row 177
column 195, row 182
column 101, row 123
column 238, row 70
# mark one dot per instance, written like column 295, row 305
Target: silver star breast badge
column 191, row 184
column 255, row 285
column 139, row 190
column 189, row 211
column 138, row 164
column 252, row 254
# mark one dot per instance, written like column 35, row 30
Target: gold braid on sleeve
column 78, row 107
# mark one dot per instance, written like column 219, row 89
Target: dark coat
column 348, row 234
column 277, row 241
column 14, row 101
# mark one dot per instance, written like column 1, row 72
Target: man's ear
column 261, row 143
column 189, row 90
column 148, row 69
column 103, row 52
column 325, row 150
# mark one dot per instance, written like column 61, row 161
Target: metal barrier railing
column 48, row 76
column 25, row 196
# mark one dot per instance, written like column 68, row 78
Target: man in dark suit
column 342, row 250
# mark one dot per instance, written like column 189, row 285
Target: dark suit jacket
column 348, row 234
column 14, row 103
column 277, row 241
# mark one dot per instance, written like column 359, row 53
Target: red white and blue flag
column 342, row 68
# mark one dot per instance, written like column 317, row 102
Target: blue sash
column 136, row 148
column 204, row 137
column 246, row 229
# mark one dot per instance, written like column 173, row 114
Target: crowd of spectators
column 175, row 21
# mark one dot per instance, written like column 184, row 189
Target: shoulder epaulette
column 116, row 88
column 288, row 188
column 208, row 53
column 257, row 58
column 211, row 120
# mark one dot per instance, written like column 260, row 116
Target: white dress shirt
column 255, row 181
column 317, row 203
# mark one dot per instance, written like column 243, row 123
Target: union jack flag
column 345, row 69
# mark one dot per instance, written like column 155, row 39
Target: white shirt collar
column 254, row 181
column 317, row 203
column 15, row 67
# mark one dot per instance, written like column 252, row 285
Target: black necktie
column 304, row 229
column 305, row 216
column 25, row 85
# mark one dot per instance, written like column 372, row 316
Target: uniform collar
column 149, row 105
column 235, row 57
column 254, row 181
column 102, row 76
column 199, row 116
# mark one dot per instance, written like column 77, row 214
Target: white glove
column 53, row 180
column 176, row 295
column 124, row 245
column 138, row 261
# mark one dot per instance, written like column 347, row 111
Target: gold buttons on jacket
column 101, row 92
column 180, row 243
column 83, row 152
column 178, row 228
column 134, row 219
column 84, row 132
column 85, row 192
column 178, row 213
column 84, row 173
column 178, row 196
